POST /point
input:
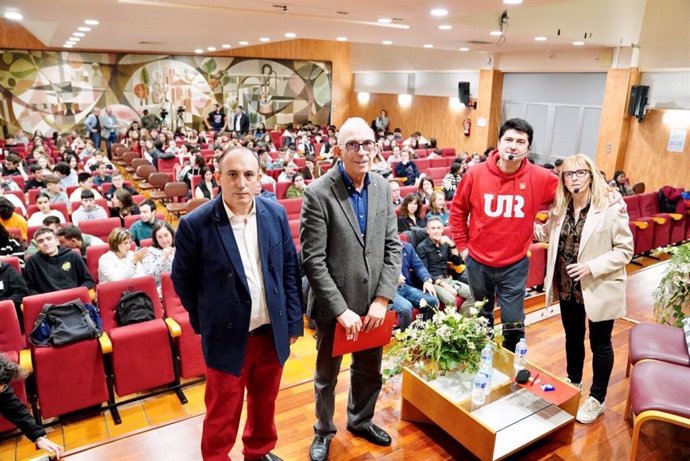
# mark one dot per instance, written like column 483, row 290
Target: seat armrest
column 676, row 216
column 173, row 327
column 106, row 344
column 542, row 217
column 640, row 224
column 92, row 294
column 25, row 360
column 659, row 219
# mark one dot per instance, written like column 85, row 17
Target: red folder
column 560, row 394
column 365, row 340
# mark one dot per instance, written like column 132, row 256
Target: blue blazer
column 209, row 278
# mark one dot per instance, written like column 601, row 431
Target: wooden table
column 512, row 417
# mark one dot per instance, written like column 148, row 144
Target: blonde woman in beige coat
column 590, row 244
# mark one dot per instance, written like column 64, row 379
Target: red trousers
column 260, row 376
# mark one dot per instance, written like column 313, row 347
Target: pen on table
column 534, row 380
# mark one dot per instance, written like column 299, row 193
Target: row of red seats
column 650, row 227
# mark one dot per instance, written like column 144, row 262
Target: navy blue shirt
column 357, row 199
column 411, row 264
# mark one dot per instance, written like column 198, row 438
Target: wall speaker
column 464, row 92
column 638, row 101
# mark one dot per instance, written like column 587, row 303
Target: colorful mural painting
column 55, row 91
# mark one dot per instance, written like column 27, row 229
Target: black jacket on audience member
column 12, row 287
column 60, row 272
column 14, row 410
column 436, row 258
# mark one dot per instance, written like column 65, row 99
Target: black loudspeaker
column 638, row 101
column 464, row 92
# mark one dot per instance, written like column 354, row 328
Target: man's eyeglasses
column 577, row 173
column 354, row 146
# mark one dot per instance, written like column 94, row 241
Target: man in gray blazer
column 352, row 258
column 108, row 128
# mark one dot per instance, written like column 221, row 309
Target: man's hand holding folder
column 362, row 340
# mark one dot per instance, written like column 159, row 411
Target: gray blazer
column 108, row 125
column 344, row 269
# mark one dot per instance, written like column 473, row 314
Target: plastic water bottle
column 487, row 370
column 520, row 355
column 488, row 355
column 479, row 386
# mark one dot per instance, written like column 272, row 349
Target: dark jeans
column 509, row 283
column 406, row 299
column 573, row 318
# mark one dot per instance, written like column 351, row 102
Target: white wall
column 423, row 83
column 667, row 90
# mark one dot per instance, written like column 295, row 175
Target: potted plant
column 672, row 296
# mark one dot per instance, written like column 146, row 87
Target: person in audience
column 9, row 246
column 248, row 319
column 50, row 221
column 621, row 183
column 93, row 126
column 54, row 268
column 311, row 169
column 501, row 198
column 395, row 155
column 102, row 176
column 305, row 146
column 123, row 205
column 85, row 183
column 15, row 411
column 92, row 164
column 296, row 190
column 425, row 189
column 436, row 153
column 586, row 270
column 143, row 228
column 13, row 166
column 407, row 168
column 150, row 121
column 43, row 202
column 557, row 166
column 380, row 165
column 10, row 219
column 436, row 252
column 240, row 122
column 193, row 169
column 437, row 207
column 396, row 199
column 288, row 172
column 450, row 181
column 118, row 183
column 120, row 262
column 54, row 190
column 71, row 237
column 161, row 253
column 38, row 179
column 381, row 122
column 408, row 296
column 108, row 128
column 208, row 185
column 260, row 131
column 410, row 213
column 89, row 209
column 68, row 177
column 13, row 288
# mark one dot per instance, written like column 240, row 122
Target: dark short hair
column 62, row 168
column 455, row 167
column 150, row 203
column 433, row 218
column 43, row 230
column 50, row 220
column 558, row 162
column 87, row 194
column 158, row 144
column 70, row 231
column 83, row 177
column 14, row 158
column 517, row 124
column 51, row 179
column 42, row 195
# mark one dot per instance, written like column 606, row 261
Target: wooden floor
column 161, row 428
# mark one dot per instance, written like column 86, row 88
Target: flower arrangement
column 448, row 341
column 672, row 296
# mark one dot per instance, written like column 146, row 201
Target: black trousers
column 573, row 318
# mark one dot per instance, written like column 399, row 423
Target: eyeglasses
column 577, row 173
column 354, row 146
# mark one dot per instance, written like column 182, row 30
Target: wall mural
column 55, row 90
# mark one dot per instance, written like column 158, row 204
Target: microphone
column 578, row 189
column 513, row 156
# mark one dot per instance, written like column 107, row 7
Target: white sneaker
column 590, row 410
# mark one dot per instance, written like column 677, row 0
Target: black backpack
column 60, row 324
column 134, row 307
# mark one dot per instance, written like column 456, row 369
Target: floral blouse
column 568, row 248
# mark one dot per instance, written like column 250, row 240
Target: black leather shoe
column 318, row 451
column 266, row 457
column 373, row 434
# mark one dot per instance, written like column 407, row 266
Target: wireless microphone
column 513, row 157
column 577, row 190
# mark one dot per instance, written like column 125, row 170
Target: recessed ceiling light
column 211, row 48
column 384, row 20
column 67, row 45
column 578, row 43
column 79, row 34
column 243, row 42
column 342, row 39
column 226, row 46
column 74, row 39
column 445, row 27
column 540, row 38
column 387, row 42
column 439, row 12
column 264, row 39
column 71, row 42
column 428, row 45
column 199, row 50
column 496, row 33
column 512, row 2
column 91, row 22
column 14, row 16
column 464, row 48
column 290, row 35
column 84, row 29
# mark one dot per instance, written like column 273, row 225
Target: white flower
column 473, row 311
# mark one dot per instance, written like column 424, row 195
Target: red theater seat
column 100, row 228
column 11, row 344
column 293, row 207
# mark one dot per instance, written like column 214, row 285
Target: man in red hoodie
column 501, row 198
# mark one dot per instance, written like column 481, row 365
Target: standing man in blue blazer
column 236, row 273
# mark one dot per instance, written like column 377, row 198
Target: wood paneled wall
column 13, row 35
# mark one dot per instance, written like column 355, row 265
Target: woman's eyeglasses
column 577, row 174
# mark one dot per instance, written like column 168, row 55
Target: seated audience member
column 395, row 192
column 9, row 246
column 425, row 189
column 288, row 172
column 38, row 180
column 436, row 251
column 71, row 237
column 410, row 213
column 395, row 155
column 557, row 166
column 10, row 219
column 15, row 201
column 263, row 193
column 54, row 268
column 85, row 183
column 120, row 262
column 54, row 190
column 92, row 164
column 161, row 253
column 102, row 176
column 13, row 288
column 296, row 190
column 51, row 221
column 15, row 411
column 68, row 177
column 43, row 202
column 451, row 180
column 143, row 228
column 622, row 184
column 438, row 208
column 8, row 185
column 206, row 187
column 408, row 296
column 311, row 170
column 118, row 183
column 380, row 165
column 122, row 206
column 407, row 168
column 13, row 166
column 89, row 209
column 193, row 169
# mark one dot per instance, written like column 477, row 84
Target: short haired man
column 501, row 198
column 85, row 183
column 54, row 190
column 38, row 180
column 13, row 166
column 108, row 128
column 557, row 166
column 71, row 237
column 68, row 177
column 150, row 121
column 49, row 221
column 54, row 268
column 102, row 176
column 93, row 126
column 143, row 228
column 118, row 183
column 13, row 288
column 89, row 209
column 237, row 274
column 240, row 122
column 216, row 119
column 396, row 199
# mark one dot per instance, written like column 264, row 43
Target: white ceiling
column 180, row 26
